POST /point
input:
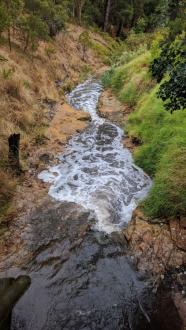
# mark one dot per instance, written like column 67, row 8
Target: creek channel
column 82, row 276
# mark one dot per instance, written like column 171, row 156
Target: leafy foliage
column 4, row 19
column 41, row 18
column 173, row 91
column 32, row 29
column 171, row 54
column 171, row 60
column 35, row 20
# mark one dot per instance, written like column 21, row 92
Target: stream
column 82, row 277
column 96, row 171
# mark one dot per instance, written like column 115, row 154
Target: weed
column 50, row 51
column 26, row 84
column 7, row 73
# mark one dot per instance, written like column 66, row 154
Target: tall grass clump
column 162, row 154
column 130, row 80
column 168, row 195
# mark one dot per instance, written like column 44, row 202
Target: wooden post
column 14, row 142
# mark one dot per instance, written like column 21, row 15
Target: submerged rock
column 11, row 290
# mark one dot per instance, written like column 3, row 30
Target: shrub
column 171, row 60
column 136, row 40
column 173, row 91
column 140, row 25
column 170, row 55
column 106, row 77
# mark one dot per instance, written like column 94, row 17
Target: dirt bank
column 158, row 246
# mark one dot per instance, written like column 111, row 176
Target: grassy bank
column 160, row 135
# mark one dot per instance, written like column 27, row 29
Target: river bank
column 157, row 245
column 173, row 234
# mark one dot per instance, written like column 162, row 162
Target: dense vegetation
column 40, row 19
column 151, row 83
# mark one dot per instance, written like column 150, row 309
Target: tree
column 53, row 13
column 173, row 91
column 124, row 12
column 4, row 19
column 107, row 13
column 13, row 11
column 32, row 29
column 78, row 7
column 85, row 41
column 171, row 64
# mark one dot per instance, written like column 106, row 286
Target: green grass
column 162, row 154
column 130, row 80
column 102, row 51
column 162, row 136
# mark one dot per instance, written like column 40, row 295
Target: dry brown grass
column 7, row 189
column 25, row 81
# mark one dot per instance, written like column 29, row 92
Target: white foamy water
column 96, row 171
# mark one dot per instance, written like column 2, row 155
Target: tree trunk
column 174, row 9
column 9, row 39
column 27, row 41
column 107, row 13
column 120, row 29
column 78, row 9
column 14, row 142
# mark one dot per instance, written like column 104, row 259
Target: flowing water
column 81, row 275
column 96, row 171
